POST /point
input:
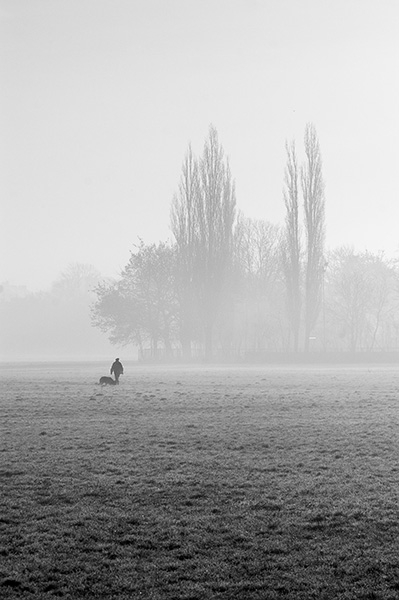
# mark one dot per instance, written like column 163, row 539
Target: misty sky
column 100, row 99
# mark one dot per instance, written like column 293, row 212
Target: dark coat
column 117, row 368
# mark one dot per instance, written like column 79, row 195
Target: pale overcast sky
column 100, row 99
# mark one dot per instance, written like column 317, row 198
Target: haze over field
column 100, row 100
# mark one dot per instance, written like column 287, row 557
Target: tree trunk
column 208, row 342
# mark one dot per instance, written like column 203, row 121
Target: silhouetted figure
column 117, row 369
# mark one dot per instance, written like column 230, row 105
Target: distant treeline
column 226, row 288
column 53, row 324
column 229, row 286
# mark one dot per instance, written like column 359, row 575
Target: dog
column 107, row 381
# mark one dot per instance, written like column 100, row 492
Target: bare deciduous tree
column 78, row 279
column 362, row 298
column 258, row 270
column 257, row 247
column 141, row 306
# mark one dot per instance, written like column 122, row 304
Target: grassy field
column 209, row 483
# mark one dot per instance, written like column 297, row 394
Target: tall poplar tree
column 202, row 220
column 184, row 225
column 314, row 206
column 292, row 244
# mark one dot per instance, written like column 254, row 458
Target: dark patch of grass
column 10, row 473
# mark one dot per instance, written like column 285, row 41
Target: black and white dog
column 107, row 381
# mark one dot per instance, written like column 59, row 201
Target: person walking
column 117, row 369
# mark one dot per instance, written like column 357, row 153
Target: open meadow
column 199, row 483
